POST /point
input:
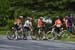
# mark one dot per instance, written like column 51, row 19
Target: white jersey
column 48, row 21
column 27, row 23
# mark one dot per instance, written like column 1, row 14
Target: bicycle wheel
column 50, row 35
column 10, row 35
column 65, row 34
column 40, row 36
column 24, row 34
column 20, row 35
column 33, row 35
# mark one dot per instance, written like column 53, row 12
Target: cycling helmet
column 41, row 17
column 21, row 17
column 29, row 18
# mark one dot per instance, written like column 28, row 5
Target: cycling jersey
column 40, row 23
column 49, row 21
column 27, row 23
column 17, row 24
column 58, row 23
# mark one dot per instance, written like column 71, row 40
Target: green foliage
column 11, row 9
column 25, row 7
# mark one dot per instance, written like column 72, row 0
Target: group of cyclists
column 41, row 22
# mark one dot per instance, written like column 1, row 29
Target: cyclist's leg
column 56, row 33
column 71, row 31
column 25, row 34
column 16, row 30
column 10, row 34
column 40, row 33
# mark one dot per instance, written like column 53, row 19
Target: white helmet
column 41, row 17
column 29, row 18
column 21, row 17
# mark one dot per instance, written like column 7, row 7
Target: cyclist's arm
column 54, row 24
column 30, row 27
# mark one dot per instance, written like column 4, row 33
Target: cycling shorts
column 27, row 28
column 16, row 27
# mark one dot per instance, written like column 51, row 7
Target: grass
column 3, row 32
column 72, row 39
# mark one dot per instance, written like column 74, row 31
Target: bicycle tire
column 65, row 34
column 50, row 35
column 10, row 35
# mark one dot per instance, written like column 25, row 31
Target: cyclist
column 74, row 23
column 28, row 24
column 70, row 23
column 40, row 24
column 58, row 25
column 28, row 27
column 18, row 23
column 66, row 22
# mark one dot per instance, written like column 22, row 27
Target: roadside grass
column 3, row 32
column 72, row 39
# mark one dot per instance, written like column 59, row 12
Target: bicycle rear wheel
column 11, row 35
column 65, row 34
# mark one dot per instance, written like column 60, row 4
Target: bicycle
column 27, row 34
column 65, row 34
column 40, row 34
column 14, row 34
column 54, row 35
column 11, row 34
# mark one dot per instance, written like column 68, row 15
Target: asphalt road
column 34, row 45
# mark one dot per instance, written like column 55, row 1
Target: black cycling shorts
column 27, row 28
column 57, row 29
column 16, row 27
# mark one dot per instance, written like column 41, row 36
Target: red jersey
column 58, row 23
column 40, row 23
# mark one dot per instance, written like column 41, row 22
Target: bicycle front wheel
column 10, row 35
column 65, row 34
